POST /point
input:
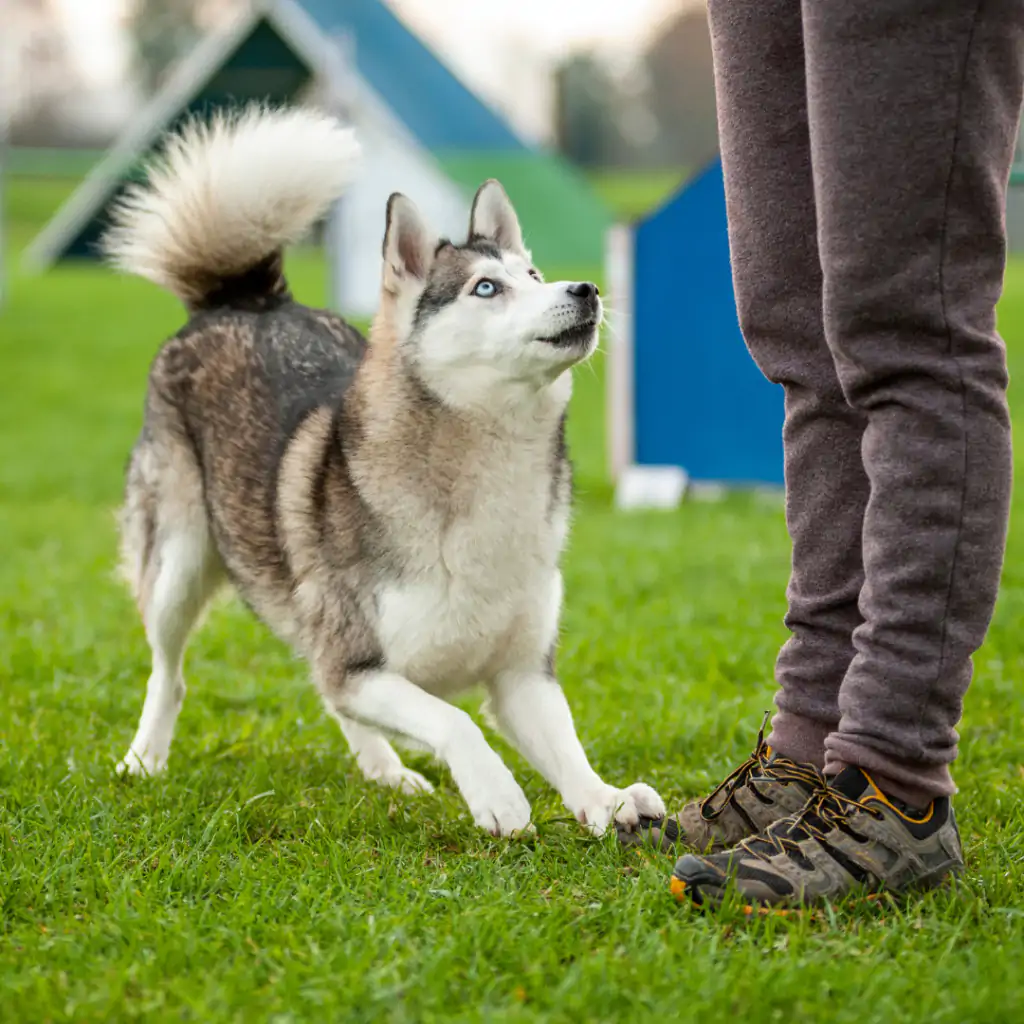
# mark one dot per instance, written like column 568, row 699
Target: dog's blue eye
column 485, row 289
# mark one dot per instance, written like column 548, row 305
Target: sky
column 504, row 48
column 553, row 25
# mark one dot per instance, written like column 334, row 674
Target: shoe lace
column 760, row 765
column 825, row 810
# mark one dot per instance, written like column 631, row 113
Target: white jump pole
column 636, row 486
column 619, row 383
column 342, row 50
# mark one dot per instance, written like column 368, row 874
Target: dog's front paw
column 405, row 780
column 502, row 811
column 147, row 764
column 496, row 801
column 623, row 806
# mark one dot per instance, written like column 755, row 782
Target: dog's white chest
column 487, row 599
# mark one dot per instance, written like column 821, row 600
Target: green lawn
column 262, row 880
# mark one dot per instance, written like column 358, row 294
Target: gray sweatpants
column 867, row 148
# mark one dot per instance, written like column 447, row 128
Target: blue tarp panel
column 701, row 403
column 412, row 80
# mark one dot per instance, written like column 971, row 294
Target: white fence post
column 619, row 369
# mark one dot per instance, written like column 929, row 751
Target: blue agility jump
column 683, row 390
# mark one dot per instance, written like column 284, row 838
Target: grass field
column 262, row 880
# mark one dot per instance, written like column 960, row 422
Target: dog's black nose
column 584, row 290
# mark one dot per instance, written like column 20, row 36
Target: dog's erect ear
column 493, row 217
column 409, row 245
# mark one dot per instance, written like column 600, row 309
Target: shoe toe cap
column 653, row 833
column 695, row 870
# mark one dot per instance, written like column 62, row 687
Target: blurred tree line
column 162, row 32
column 41, row 91
column 656, row 110
column 35, row 64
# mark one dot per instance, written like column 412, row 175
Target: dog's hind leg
column 174, row 568
column 378, row 760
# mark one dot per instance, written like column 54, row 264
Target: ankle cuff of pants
column 799, row 739
column 918, row 784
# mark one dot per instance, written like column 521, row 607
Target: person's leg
column 914, row 106
column 766, row 157
column 913, row 111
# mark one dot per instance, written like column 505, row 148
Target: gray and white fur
column 394, row 510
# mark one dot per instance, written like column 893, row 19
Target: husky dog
column 394, row 510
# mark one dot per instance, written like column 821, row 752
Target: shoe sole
column 712, row 899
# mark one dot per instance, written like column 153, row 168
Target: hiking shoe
column 849, row 838
column 765, row 788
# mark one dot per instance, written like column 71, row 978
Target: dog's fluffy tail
column 225, row 197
